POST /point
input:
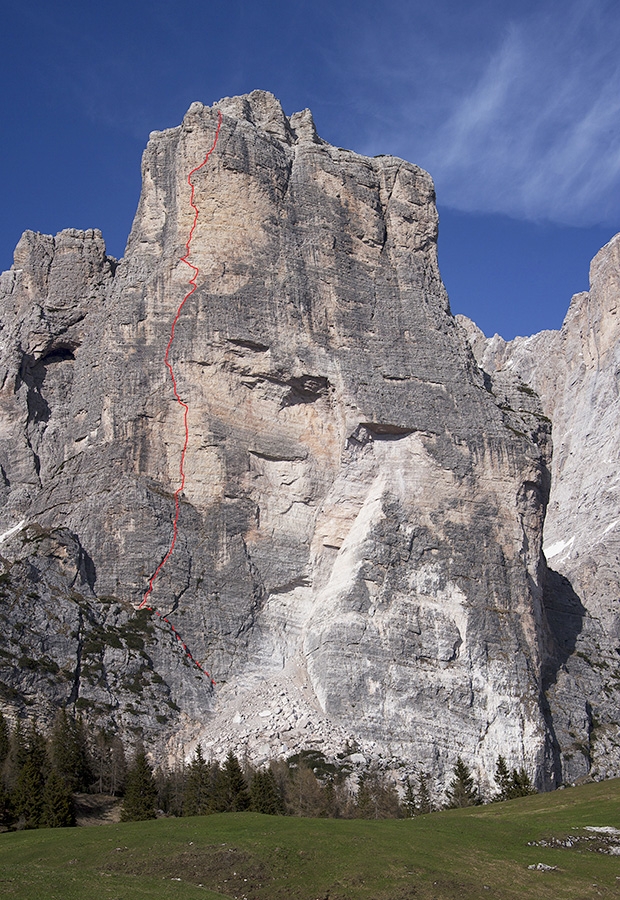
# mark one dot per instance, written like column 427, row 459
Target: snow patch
column 558, row 547
column 12, row 531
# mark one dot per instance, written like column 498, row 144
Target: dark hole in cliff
column 366, row 432
column 305, row 389
column 386, row 430
column 58, row 354
column 33, row 373
column 254, row 346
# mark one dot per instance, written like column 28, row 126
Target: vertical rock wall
column 576, row 372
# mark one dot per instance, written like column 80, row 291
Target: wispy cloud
column 528, row 126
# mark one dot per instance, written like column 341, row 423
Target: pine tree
column 363, row 800
column 16, row 757
column 37, row 748
column 218, row 788
column 425, row 804
column 170, row 789
column 462, row 791
column 5, row 740
column 57, row 808
column 6, row 807
column 234, row 792
column 265, row 795
column 28, row 795
column 140, row 792
column 68, row 752
column 198, row 799
column 512, row 784
column 502, row 777
column 5, row 746
column 521, row 784
column 410, row 804
column 18, row 751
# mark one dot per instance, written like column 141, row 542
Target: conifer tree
column 363, row 801
column 170, row 789
column 218, row 788
column 36, row 745
column 502, row 777
column 57, row 808
column 19, row 744
column 28, row 795
column 5, row 746
column 425, row 804
column 68, row 751
column 410, row 803
column 234, row 793
column 17, row 756
column 140, row 792
column 198, row 798
column 521, row 784
column 5, row 740
column 265, row 795
column 6, row 808
column 512, row 784
column 462, row 791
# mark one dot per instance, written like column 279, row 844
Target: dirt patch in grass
column 220, row 868
column 97, row 809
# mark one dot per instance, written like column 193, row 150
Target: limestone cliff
column 359, row 551
column 576, row 372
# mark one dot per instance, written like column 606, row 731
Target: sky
column 513, row 106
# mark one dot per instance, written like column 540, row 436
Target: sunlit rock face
column 576, row 372
column 359, row 551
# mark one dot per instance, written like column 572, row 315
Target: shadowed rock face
column 359, row 550
column 576, row 372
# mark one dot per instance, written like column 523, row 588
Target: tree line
column 40, row 775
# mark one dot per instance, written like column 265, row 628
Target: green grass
column 475, row 853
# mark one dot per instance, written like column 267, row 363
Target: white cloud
column 529, row 127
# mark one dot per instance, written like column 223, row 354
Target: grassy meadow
column 481, row 852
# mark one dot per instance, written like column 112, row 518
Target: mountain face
column 359, row 551
column 576, row 374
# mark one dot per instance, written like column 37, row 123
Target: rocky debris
column 543, row 867
column 600, row 839
column 359, row 552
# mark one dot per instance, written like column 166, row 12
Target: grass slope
column 474, row 853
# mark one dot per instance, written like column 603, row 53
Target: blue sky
column 513, row 107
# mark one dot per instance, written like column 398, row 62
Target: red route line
column 175, row 524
